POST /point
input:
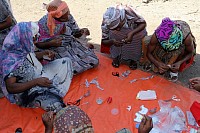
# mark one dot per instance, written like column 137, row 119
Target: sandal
column 133, row 65
column 115, row 62
column 173, row 76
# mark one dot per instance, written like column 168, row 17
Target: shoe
column 116, row 62
column 133, row 65
column 173, row 76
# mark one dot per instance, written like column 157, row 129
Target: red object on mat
column 186, row 64
column 105, row 48
column 195, row 109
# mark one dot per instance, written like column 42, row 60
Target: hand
column 9, row 20
column 162, row 67
column 50, row 54
column 146, row 125
column 43, row 82
column 128, row 38
column 57, row 42
column 175, row 67
column 195, row 83
column 117, row 43
column 85, row 31
column 47, row 119
column 63, row 30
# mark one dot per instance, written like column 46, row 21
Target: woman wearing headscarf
column 56, row 33
column 7, row 20
column 123, row 30
column 72, row 119
column 24, row 81
column 171, row 48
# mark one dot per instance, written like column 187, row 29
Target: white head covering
column 113, row 16
column 34, row 28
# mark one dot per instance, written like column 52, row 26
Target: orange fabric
column 55, row 14
column 122, row 92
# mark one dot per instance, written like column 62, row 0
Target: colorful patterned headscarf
column 72, row 119
column 169, row 35
column 55, row 9
column 16, row 46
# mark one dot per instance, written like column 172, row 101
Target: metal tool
column 77, row 102
column 174, row 98
column 117, row 75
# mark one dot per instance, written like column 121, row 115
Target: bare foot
column 195, row 83
column 47, row 119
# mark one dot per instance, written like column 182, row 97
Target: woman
column 56, row 35
column 24, row 80
column 123, row 30
column 72, row 119
column 171, row 48
column 7, row 20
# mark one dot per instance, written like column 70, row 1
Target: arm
column 189, row 48
column 188, row 53
column 39, row 55
column 7, row 23
column 151, row 48
column 139, row 28
column 53, row 43
column 14, row 87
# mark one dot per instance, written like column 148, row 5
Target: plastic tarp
column 123, row 94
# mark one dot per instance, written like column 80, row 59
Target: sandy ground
column 88, row 13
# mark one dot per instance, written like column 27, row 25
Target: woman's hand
column 49, row 54
column 128, row 38
column 162, row 67
column 146, row 125
column 47, row 119
column 57, row 42
column 43, row 82
column 117, row 43
column 85, row 31
column 175, row 67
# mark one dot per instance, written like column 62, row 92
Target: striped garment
column 127, row 51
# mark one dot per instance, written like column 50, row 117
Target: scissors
column 77, row 102
column 174, row 98
column 115, row 74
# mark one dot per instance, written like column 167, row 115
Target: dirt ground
column 88, row 13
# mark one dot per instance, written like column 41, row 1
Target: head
column 114, row 17
column 72, row 119
column 17, row 44
column 59, row 10
column 169, row 35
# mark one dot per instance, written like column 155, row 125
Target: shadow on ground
column 191, row 72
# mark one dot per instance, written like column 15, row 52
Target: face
column 64, row 18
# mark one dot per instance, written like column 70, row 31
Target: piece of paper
column 146, row 95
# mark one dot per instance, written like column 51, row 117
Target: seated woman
column 123, row 30
column 56, row 35
column 79, row 122
column 24, row 80
column 171, row 48
column 194, row 83
column 7, row 20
